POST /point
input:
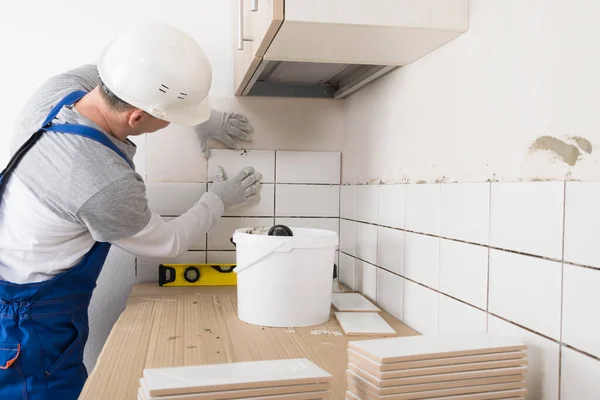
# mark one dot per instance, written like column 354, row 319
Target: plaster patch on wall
column 583, row 143
column 568, row 153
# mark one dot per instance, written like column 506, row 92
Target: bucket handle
column 265, row 253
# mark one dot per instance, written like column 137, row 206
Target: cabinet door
column 244, row 62
column 267, row 17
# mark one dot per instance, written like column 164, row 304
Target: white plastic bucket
column 285, row 281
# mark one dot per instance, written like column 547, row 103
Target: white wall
column 517, row 259
column 471, row 110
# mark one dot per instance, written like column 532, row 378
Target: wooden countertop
column 165, row 327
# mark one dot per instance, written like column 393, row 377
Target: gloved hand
column 223, row 126
column 244, row 187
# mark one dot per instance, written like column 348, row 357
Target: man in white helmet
column 71, row 190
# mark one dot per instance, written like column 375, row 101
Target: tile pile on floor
column 296, row 379
column 447, row 367
column 357, row 316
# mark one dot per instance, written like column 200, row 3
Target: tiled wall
column 300, row 189
column 515, row 259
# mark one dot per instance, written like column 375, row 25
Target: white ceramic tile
column 390, row 292
column 457, row 317
column 580, row 317
column 465, row 211
column 423, row 208
column 366, row 203
column 173, row 155
column 366, row 279
column 170, row 198
column 580, row 376
column 147, row 269
column 421, row 259
column 307, row 201
column 348, row 202
column 348, row 237
column 255, row 374
column 390, row 249
column 528, row 217
column 200, row 244
column 582, row 223
column 392, row 199
column 233, row 161
column 542, row 355
column 428, row 347
column 263, row 206
column 220, row 235
column 308, row 167
column 464, row 272
column 420, row 308
column 329, row 224
column 221, row 257
column 347, row 271
column 366, row 242
column 364, row 324
column 526, row 290
column 352, row 302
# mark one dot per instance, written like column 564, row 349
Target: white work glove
column 225, row 127
column 239, row 190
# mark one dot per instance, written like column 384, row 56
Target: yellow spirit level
column 197, row 275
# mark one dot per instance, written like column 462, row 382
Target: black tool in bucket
column 282, row 230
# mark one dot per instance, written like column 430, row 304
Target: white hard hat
column 161, row 70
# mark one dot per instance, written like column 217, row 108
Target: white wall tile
column 200, row 244
column 221, row 257
column 329, row 224
column 390, row 249
column 348, row 237
column 173, row 155
column 582, row 223
column 420, row 308
column 457, row 317
column 263, row 206
column 526, row 290
column 220, row 235
column 528, row 217
column 580, row 318
column 542, row 355
column 421, row 259
column 423, row 208
column 307, row 201
column 390, row 293
column 233, row 161
column 347, row 274
column 147, row 269
column 465, row 212
column 366, row 203
column 580, row 376
column 308, row 167
column 366, row 242
column 464, row 272
column 392, row 200
column 170, row 198
column 348, row 202
column 366, row 279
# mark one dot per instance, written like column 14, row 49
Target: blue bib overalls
column 44, row 326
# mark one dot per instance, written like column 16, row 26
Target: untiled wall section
column 300, row 189
column 514, row 259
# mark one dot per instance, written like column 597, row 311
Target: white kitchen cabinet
column 330, row 48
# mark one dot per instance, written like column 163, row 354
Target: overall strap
column 74, row 129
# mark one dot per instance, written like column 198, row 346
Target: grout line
column 562, row 286
column 489, row 253
column 578, row 351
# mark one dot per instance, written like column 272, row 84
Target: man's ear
column 135, row 117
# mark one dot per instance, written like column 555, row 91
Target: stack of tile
column 451, row 367
column 296, row 379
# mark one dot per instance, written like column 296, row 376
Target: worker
column 70, row 191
